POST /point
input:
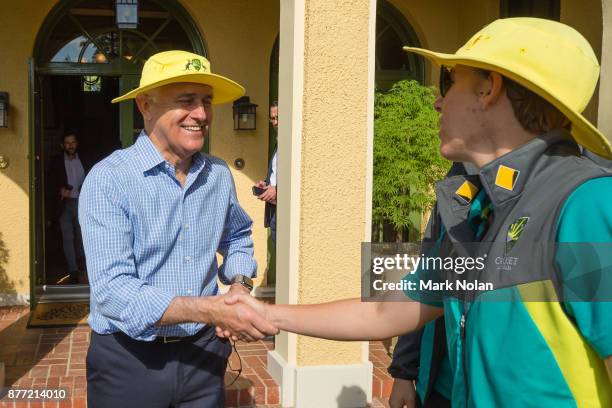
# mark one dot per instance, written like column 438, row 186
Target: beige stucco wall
column 239, row 35
column 473, row 15
column 436, row 25
column 333, row 164
column 585, row 16
column 19, row 23
column 444, row 25
column 604, row 122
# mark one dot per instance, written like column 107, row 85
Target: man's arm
column 609, row 367
column 239, row 319
column 130, row 303
column 236, row 245
column 133, row 305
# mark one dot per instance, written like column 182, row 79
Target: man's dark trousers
column 123, row 372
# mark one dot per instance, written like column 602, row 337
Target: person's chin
column 194, row 145
column 446, row 150
column 454, row 155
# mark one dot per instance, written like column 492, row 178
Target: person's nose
column 199, row 113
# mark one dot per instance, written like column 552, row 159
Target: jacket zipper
column 462, row 324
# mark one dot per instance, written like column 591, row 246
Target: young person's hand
column 403, row 394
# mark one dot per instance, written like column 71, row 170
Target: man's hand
column 269, row 195
column 238, row 289
column 403, row 394
column 64, row 193
column 245, row 300
column 261, row 184
column 237, row 320
column 235, row 289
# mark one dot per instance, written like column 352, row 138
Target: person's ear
column 144, row 106
column 491, row 89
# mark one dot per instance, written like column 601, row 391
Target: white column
column 326, row 88
column 604, row 116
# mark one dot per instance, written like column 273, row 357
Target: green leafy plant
column 407, row 160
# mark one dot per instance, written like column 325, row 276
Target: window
column 87, row 34
column 392, row 63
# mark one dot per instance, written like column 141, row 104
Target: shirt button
column 188, row 258
column 186, row 226
column 189, row 291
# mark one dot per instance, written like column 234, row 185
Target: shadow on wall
column 7, row 288
column 352, row 397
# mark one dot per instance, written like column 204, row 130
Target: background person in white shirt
column 269, row 184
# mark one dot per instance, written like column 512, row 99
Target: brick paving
column 55, row 357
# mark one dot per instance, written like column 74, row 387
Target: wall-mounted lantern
column 244, row 114
column 126, row 13
column 4, row 108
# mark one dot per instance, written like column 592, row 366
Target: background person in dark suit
column 269, row 184
column 67, row 173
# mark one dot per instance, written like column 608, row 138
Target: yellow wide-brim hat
column 171, row 67
column 547, row 57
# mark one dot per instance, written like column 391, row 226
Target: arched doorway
column 392, row 63
column 272, row 97
column 82, row 59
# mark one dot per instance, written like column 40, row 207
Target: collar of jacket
column 505, row 177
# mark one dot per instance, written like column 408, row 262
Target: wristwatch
column 244, row 281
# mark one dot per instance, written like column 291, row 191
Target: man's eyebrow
column 192, row 95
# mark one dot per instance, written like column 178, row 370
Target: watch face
column 244, row 280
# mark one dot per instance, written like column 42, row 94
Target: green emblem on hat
column 514, row 232
column 193, row 63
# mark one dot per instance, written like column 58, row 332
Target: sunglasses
column 446, row 81
column 236, row 371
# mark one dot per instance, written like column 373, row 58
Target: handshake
column 239, row 316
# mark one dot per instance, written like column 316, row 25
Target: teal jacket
column 526, row 343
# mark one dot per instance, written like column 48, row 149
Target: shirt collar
column 76, row 157
column 148, row 157
column 198, row 163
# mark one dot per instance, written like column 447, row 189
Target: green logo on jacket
column 514, row 232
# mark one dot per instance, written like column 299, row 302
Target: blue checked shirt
column 148, row 239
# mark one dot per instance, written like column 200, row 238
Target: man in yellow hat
column 529, row 322
column 153, row 216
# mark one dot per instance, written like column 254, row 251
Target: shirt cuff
column 149, row 307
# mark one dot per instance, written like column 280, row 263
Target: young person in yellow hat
column 538, row 215
column 153, row 217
